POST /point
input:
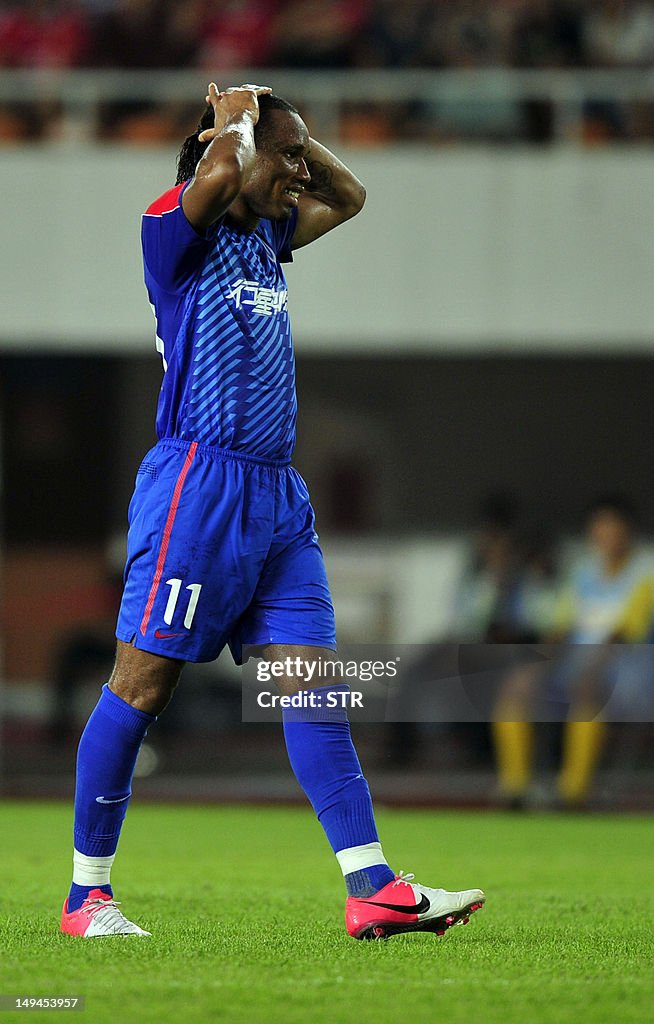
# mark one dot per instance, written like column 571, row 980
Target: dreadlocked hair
column 192, row 149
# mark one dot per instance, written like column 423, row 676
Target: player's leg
column 292, row 615
column 583, row 743
column 513, row 733
column 190, row 575
column 140, row 687
column 326, row 765
column 322, row 755
column 592, row 673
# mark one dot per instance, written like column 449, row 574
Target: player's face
column 280, row 171
column 610, row 535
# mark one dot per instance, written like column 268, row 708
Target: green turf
column 246, row 906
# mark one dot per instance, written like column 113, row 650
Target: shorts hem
column 293, row 642
column 152, row 647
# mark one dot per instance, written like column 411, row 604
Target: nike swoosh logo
column 101, row 799
column 165, row 636
column 419, row 908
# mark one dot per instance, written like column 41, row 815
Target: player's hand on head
column 232, row 102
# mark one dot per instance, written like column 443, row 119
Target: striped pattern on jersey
column 223, row 329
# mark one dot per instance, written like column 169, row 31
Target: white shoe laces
column 404, row 878
column 92, row 906
column 114, row 918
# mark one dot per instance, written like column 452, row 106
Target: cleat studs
column 379, row 932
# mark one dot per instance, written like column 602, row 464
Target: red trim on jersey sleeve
column 166, row 203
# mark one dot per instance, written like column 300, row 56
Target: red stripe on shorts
column 165, row 541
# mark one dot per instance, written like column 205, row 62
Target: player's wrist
column 242, row 114
column 230, row 122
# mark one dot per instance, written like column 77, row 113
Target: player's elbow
column 351, row 203
column 358, row 199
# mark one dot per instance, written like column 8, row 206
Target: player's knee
column 146, row 694
column 293, row 668
column 146, row 681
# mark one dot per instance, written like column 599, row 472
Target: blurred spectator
column 394, row 35
column 468, row 35
column 632, row 695
column 620, row 33
column 590, row 614
column 535, row 597
column 44, row 34
column 318, row 33
column 507, row 594
column 547, row 33
column 484, row 603
column 593, row 602
column 238, row 34
column 147, row 34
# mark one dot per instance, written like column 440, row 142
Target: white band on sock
column 359, row 857
column 93, row 871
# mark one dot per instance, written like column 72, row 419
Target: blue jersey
column 597, row 602
column 223, row 330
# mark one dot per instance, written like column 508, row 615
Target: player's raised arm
column 228, row 159
column 333, row 195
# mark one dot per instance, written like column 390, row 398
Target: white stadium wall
column 471, row 250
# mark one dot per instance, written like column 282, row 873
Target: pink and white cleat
column 98, row 915
column 405, row 906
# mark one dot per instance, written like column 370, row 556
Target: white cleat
column 406, row 906
column 98, row 915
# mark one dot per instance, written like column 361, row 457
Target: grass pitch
column 246, row 910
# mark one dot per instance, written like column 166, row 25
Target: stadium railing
column 568, row 95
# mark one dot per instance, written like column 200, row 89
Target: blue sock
column 325, row 763
column 106, row 758
column 78, row 893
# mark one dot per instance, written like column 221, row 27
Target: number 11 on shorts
column 175, row 588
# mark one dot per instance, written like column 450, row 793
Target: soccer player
column 222, row 547
column 604, row 602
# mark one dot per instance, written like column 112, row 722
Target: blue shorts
column 222, row 549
